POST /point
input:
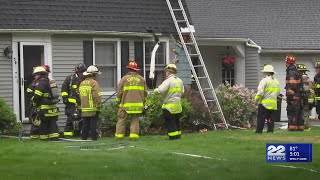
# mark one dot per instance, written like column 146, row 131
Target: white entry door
column 31, row 54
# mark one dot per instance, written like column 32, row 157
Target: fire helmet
column 268, row 68
column 79, row 68
column 47, row 68
column 302, row 67
column 172, row 68
column 92, row 70
column 317, row 64
column 290, row 59
column 133, row 65
column 39, row 70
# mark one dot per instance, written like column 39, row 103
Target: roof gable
column 90, row 15
column 284, row 24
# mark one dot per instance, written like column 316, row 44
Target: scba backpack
column 54, row 91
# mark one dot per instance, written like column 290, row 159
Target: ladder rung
column 188, row 33
column 197, row 65
column 181, row 21
column 205, row 89
column 193, row 54
column 191, row 43
column 211, row 100
column 215, row 112
column 177, row 9
column 203, row 77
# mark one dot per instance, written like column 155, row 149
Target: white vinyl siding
column 67, row 51
column 6, row 80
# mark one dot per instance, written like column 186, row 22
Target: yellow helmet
column 268, row 68
column 39, row 70
column 172, row 68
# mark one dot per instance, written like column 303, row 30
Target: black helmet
column 80, row 68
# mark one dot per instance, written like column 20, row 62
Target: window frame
column 118, row 59
column 167, row 53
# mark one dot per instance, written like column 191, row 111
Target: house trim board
column 27, row 39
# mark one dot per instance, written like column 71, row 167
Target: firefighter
column 131, row 94
column 33, row 117
column 70, row 96
column 46, row 104
column 268, row 91
column 293, row 94
column 90, row 96
column 307, row 94
column 172, row 88
column 317, row 88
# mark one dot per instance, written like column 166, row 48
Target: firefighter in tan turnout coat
column 90, row 96
column 131, row 93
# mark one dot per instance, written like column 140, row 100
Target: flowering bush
column 237, row 103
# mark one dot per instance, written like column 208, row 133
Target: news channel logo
column 298, row 152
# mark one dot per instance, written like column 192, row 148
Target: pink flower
column 229, row 60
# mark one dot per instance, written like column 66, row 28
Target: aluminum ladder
column 202, row 80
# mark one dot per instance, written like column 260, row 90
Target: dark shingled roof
column 87, row 15
column 274, row 24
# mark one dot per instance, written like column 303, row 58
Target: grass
column 233, row 155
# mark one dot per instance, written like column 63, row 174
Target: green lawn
column 228, row 155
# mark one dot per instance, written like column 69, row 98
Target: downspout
column 250, row 43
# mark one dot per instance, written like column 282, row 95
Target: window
column 105, row 56
column 161, row 61
column 228, row 74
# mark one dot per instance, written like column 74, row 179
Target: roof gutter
column 77, row 32
column 250, row 43
column 301, row 51
column 223, row 39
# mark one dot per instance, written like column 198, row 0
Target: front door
column 31, row 55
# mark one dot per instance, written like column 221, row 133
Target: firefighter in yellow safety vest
column 172, row 88
column 131, row 94
column 90, row 96
column 268, row 91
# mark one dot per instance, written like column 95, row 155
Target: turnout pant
column 34, row 131
column 294, row 113
column 69, row 111
column 90, row 126
column 318, row 109
column 172, row 124
column 48, row 128
column 263, row 116
column 123, row 116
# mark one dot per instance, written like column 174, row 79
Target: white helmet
column 268, row 68
column 172, row 68
column 92, row 70
column 39, row 70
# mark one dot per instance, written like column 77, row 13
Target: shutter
column 124, row 57
column 88, row 53
column 138, row 54
column 252, row 68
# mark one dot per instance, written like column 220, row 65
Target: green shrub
column 108, row 117
column 154, row 110
column 237, row 103
column 8, row 123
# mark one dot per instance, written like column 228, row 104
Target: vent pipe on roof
column 250, row 43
